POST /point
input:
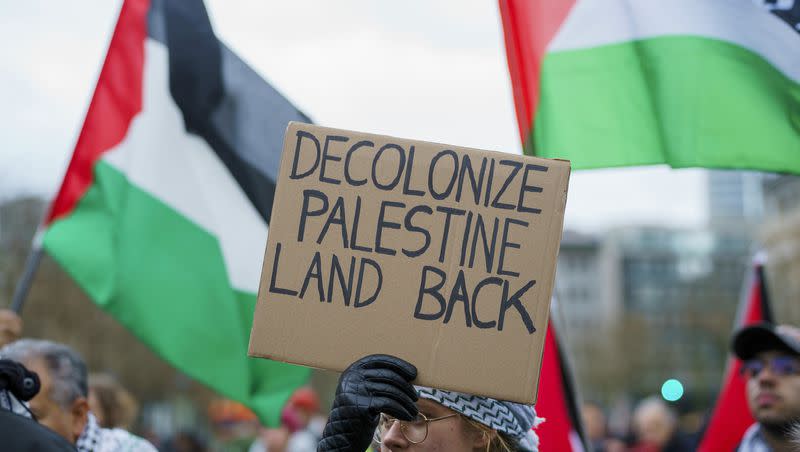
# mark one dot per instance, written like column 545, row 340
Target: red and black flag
column 562, row 430
column 731, row 416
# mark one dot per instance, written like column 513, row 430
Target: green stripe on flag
column 164, row 278
column 685, row 101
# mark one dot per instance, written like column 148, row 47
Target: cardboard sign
column 441, row 255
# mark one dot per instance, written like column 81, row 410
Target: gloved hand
column 372, row 385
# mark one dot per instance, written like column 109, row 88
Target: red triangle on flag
column 556, row 401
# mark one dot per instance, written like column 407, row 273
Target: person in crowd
column 111, row 403
column 18, row 430
column 656, row 428
column 305, row 404
column 594, row 422
column 297, row 432
column 272, row 440
column 770, row 357
column 596, row 427
column 186, row 441
column 62, row 404
column 10, row 326
column 375, row 401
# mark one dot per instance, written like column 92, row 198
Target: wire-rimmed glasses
column 414, row 431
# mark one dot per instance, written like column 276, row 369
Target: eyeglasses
column 414, row 431
column 779, row 365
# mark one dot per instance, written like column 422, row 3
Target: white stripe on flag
column 182, row 171
column 593, row 23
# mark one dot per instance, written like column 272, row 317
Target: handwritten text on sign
column 411, row 233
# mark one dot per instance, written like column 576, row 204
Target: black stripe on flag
column 224, row 101
column 570, row 392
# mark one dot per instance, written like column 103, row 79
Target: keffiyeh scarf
column 513, row 419
column 97, row 439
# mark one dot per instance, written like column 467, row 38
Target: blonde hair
column 118, row 405
column 498, row 441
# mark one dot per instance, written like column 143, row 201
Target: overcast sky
column 417, row 69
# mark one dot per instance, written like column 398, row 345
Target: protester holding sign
column 375, row 401
column 434, row 254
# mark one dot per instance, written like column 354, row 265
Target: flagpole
column 31, row 265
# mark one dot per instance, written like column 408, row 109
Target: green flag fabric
column 688, row 83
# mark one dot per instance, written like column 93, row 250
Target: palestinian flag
column 557, row 402
column 731, row 416
column 162, row 216
column 688, row 83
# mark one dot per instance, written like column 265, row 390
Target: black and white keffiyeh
column 513, row 419
column 97, row 439
column 10, row 403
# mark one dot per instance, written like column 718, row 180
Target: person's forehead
column 38, row 365
column 431, row 407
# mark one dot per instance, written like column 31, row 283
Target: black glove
column 372, row 385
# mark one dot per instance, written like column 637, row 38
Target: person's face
column 595, row 422
column 774, row 399
column 67, row 422
column 447, row 435
column 653, row 425
column 96, row 407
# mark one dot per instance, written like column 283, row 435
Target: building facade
column 641, row 305
column 780, row 235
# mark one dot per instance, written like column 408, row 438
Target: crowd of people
column 770, row 357
column 49, row 401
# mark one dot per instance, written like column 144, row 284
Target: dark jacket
column 20, row 434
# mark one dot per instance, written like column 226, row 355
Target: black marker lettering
column 431, row 177
column 515, row 302
column 347, row 287
column 412, row 228
column 516, row 166
column 449, row 211
column 354, row 148
column 529, row 189
column 326, row 157
column 491, row 280
column 489, row 183
column 300, row 135
column 305, row 212
column 315, row 272
column 400, row 164
column 488, row 248
column 336, row 216
column 477, row 186
column 459, row 293
column 364, row 262
column 354, row 234
column 385, row 224
column 504, row 243
column 407, row 190
column 432, row 291
column 273, row 286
